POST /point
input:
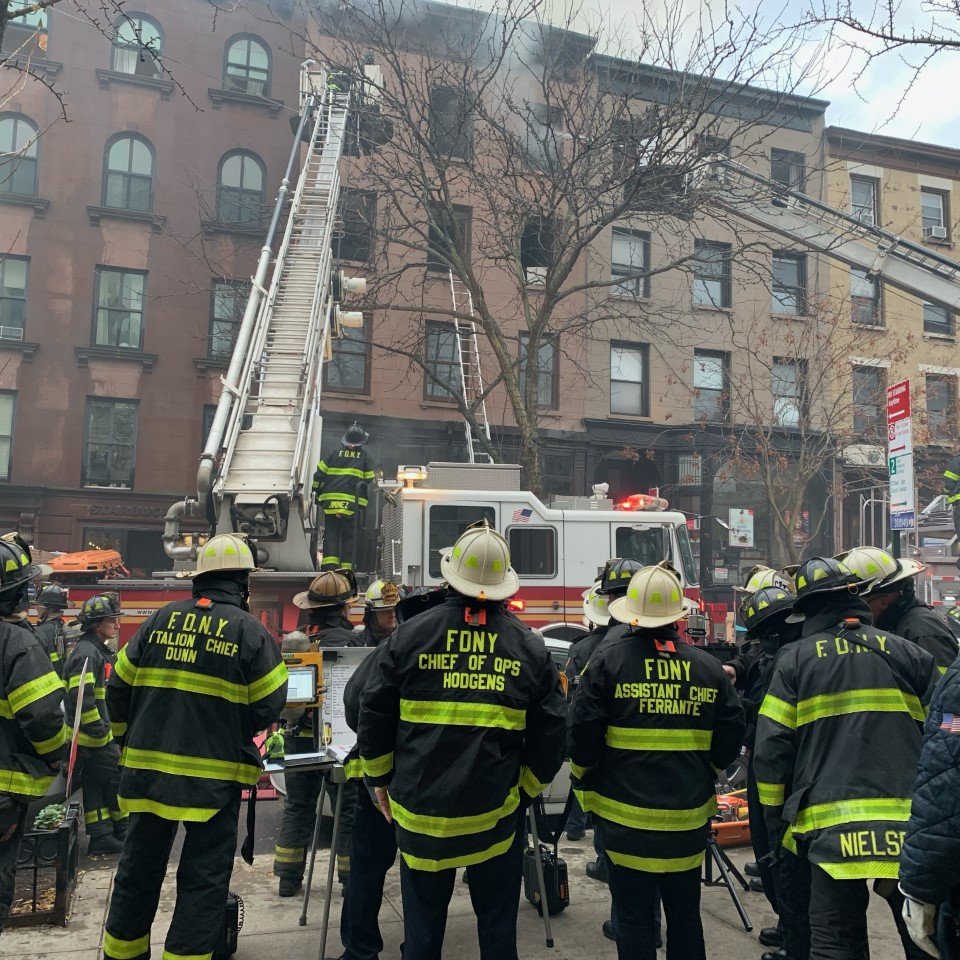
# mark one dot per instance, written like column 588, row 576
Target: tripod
column 717, row 855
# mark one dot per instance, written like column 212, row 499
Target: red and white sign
column 903, row 510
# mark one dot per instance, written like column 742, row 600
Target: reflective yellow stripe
column 863, row 869
column 186, row 682
column 434, row 866
column 13, row 781
column 124, row 669
column 377, row 766
column 823, row 815
column 348, row 472
column 779, row 710
column 454, row 713
column 34, row 690
column 771, row 794
column 54, row 656
column 578, row 771
column 180, row 765
column 119, row 729
column 117, row 815
column 647, row 818
column 140, row 805
column 345, row 497
column 100, row 693
column 655, row 864
column 630, row 738
column 882, row 700
column 90, row 716
column 950, row 475
column 953, row 498
column 454, row 826
column 6, row 711
column 96, row 816
column 353, row 769
column 289, row 854
column 530, row 785
column 76, row 679
column 87, row 740
column 117, row 949
column 52, row 743
column 170, row 955
column 263, row 687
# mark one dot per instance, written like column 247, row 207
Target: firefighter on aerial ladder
column 340, row 486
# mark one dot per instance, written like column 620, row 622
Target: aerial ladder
column 813, row 224
column 471, row 374
column 256, row 468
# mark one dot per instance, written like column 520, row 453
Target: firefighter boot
column 103, row 845
column 290, row 887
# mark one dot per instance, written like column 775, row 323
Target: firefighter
column 887, row 584
column 51, row 602
column 380, row 612
column 340, row 485
column 461, row 725
column 33, row 736
column 838, row 739
column 953, row 621
column 651, row 720
column 951, row 489
column 327, row 602
column 213, row 668
column 766, row 614
column 91, row 662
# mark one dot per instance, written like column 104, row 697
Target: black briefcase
column 555, row 881
column 230, row 935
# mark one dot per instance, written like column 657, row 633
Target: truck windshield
column 686, row 556
column 646, row 545
column 448, row 521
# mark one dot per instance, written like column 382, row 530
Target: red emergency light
column 516, row 605
column 641, row 501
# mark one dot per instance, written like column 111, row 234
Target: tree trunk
column 531, row 466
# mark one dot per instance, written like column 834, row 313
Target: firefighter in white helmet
column 887, row 584
column 187, row 695
column 651, row 721
column 461, row 725
column 379, row 613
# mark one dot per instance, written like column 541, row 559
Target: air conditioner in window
column 934, row 233
column 11, row 333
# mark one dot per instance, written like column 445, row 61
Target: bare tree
column 502, row 148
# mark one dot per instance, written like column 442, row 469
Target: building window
column 138, row 46
column 788, row 168
column 710, row 386
column 348, row 368
column 789, row 292
column 711, row 274
column 937, row 319
column 128, row 175
column 247, row 67
column 443, row 382
column 869, row 402
column 354, row 240
column 451, row 123
column 228, row 301
column 547, row 370
column 537, row 244
column 111, row 442
column 865, row 299
column 8, row 404
column 544, row 130
column 13, row 297
column 942, row 408
column 19, row 141
column 708, row 145
column 863, row 200
column 628, row 379
column 118, row 319
column 26, row 35
column 533, row 551
column 240, row 188
column 789, row 391
column 448, row 239
column 933, row 206
column 630, row 255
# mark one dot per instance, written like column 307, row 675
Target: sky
column 879, row 101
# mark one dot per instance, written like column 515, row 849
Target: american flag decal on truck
column 523, row 515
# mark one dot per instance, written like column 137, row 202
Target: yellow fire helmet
column 478, row 565
column 654, row 598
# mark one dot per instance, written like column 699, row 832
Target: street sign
column 903, row 509
column 741, row 527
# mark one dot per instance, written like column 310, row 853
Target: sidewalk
column 271, row 929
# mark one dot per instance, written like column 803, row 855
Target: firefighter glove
column 921, row 921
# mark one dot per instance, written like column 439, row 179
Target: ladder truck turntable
column 255, row 472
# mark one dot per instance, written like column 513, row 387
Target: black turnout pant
column 760, row 841
column 634, row 895
column 100, row 779
column 494, row 891
column 13, row 817
column 203, row 881
column 339, row 540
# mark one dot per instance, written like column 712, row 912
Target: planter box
column 47, row 874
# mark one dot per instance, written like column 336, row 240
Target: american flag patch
column 523, row 515
column 950, row 723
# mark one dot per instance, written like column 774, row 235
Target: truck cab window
column 448, row 521
column 686, row 556
column 533, row 551
column 645, row 545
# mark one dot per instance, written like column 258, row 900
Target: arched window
column 18, row 155
column 247, row 67
column 26, row 35
column 240, row 188
column 138, row 46
column 128, row 174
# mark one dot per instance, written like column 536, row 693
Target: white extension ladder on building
column 471, row 376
